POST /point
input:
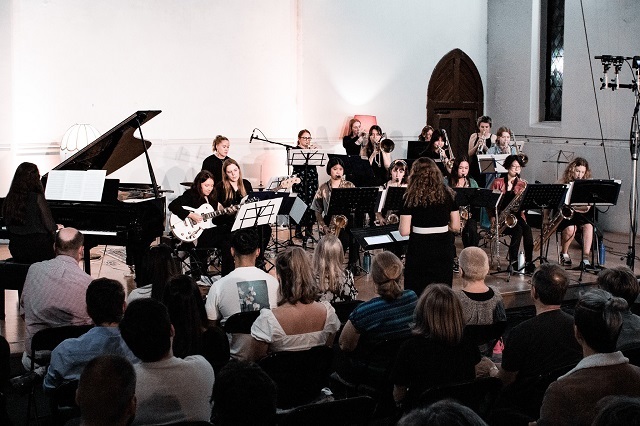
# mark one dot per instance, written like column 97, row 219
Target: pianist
column 28, row 218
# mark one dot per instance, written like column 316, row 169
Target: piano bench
column 13, row 275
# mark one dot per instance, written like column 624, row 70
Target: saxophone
column 566, row 212
column 507, row 219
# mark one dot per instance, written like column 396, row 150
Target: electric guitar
column 188, row 230
column 286, row 183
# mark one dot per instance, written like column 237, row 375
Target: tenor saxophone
column 507, row 219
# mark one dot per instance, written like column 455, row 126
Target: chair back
column 486, row 336
column 344, row 309
column 479, row 395
column 240, row 322
column 48, row 338
column 62, row 402
column 299, row 375
column 349, row 411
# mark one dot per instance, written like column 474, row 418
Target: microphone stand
column 288, row 147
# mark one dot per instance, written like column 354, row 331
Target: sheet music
column 378, row 239
column 75, row 185
column 265, row 212
column 396, row 236
column 497, row 159
column 383, row 198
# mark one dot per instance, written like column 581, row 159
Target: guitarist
column 202, row 192
column 230, row 191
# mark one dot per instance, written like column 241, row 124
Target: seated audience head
column 158, row 266
column 438, row 315
column 245, row 242
column 69, row 242
column 327, row 263
column 146, row 329
column 618, row 410
column 106, row 391
column 549, row 284
column 442, row 413
column 387, row 275
column 621, row 282
column 293, row 269
column 244, row 395
column 474, row 264
column 187, row 313
column 598, row 320
column 105, row 301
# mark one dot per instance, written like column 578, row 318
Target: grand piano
column 129, row 214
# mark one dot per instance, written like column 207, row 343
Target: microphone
column 253, row 135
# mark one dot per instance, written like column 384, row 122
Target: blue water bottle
column 366, row 261
column 602, row 253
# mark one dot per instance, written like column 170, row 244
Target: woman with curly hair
column 577, row 169
column 428, row 217
column 28, row 217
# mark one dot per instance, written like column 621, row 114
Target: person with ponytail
column 385, row 317
column 603, row 370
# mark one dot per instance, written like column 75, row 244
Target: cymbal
column 187, row 184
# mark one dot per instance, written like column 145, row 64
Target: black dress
column 429, row 256
column 350, row 146
column 306, row 190
column 33, row 240
column 213, row 164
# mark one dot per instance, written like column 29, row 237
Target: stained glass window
column 554, row 60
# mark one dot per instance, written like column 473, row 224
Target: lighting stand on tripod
column 634, row 138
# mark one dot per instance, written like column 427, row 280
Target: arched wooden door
column 455, row 98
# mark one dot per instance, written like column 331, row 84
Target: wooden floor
column 515, row 290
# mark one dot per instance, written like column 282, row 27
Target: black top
column 423, row 363
column 191, row 198
column 37, row 220
column 432, row 215
column 349, row 144
column 236, row 196
column 213, row 164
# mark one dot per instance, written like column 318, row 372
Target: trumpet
column 482, row 146
column 449, row 150
column 387, row 145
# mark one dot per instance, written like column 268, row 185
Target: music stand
column 357, row 169
column 350, row 202
column 594, row 193
column 392, row 198
column 541, row 196
column 492, row 163
column 416, row 149
column 263, row 212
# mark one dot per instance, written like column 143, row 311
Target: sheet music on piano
column 75, row 185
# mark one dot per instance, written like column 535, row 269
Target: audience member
column 106, row 392
column 244, row 395
column 603, row 370
column 481, row 305
column 246, row 288
column 157, row 267
column 334, row 281
column 193, row 335
column 54, row 290
column 545, row 342
column 386, row 317
column 439, row 352
column 621, row 282
column 105, row 306
column 442, row 413
column 617, row 410
column 298, row 322
column 168, row 389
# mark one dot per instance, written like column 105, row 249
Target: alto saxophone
column 566, row 212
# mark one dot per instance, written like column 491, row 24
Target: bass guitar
column 188, row 230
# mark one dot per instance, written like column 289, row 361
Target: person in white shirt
column 246, row 288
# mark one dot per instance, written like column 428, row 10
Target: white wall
column 222, row 67
column 511, row 93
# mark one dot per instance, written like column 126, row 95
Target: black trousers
column 520, row 232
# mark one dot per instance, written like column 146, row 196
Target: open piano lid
column 114, row 149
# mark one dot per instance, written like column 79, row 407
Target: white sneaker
column 565, row 260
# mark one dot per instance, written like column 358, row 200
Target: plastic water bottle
column 521, row 262
column 366, row 261
column 602, row 253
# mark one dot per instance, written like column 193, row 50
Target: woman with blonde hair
column 335, row 283
column 438, row 352
column 299, row 322
column 428, row 217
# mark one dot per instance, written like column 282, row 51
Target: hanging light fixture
column 77, row 137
